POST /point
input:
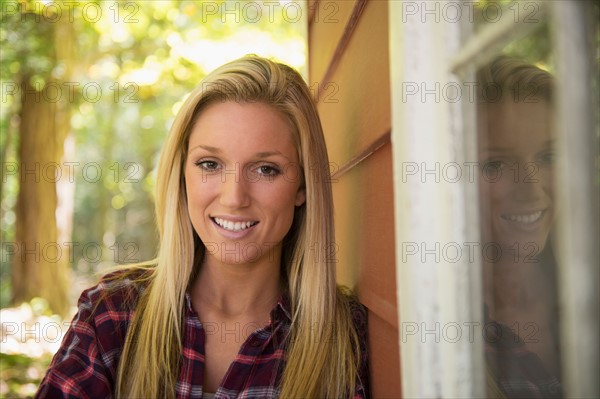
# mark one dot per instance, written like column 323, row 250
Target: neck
column 515, row 283
column 237, row 289
column 521, row 295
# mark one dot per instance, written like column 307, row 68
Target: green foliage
column 536, row 47
column 25, row 356
column 26, row 49
column 20, row 375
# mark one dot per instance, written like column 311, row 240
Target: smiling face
column 242, row 181
column 516, row 159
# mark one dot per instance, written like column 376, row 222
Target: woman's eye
column 207, row 165
column 547, row 158
column 267, row 170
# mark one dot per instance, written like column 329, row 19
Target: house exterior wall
column 349, row 76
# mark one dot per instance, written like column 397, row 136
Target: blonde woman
column 241, row 300
column 516, row 153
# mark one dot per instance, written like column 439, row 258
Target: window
column 495, row 145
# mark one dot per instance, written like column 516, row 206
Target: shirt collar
column 282, row 309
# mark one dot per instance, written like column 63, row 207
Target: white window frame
column 429, row 212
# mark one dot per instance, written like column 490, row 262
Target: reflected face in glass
column 242, row 180
column 516, row 163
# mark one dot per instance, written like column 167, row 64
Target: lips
column 234, row 225
column 523, row 218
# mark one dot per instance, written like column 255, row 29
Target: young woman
column 238, row 303
column 516, row 153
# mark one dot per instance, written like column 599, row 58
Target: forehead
column 238, row 126
column 515, row 124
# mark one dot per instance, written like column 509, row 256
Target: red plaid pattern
column 518, row 372
column 85, row 366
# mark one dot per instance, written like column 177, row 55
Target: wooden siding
column 349, row 64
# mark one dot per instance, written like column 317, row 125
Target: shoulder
column 105, row 310
column 118, row 291
column 85, row 364
column 122, row 286
column 112, row 301
column 519, row 371
column 357, row 311
column 358, row 316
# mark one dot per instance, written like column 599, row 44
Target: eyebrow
column 262, row 154
column 266, row 154
column 207, row 148
column 496, row 149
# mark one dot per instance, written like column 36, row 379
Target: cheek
column 192, row 204
column 190, row 191
column 283, row 202
column 198, row 194
column 495, row 194
column 487, row 194
column 547, row 179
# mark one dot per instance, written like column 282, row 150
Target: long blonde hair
column 322, row 348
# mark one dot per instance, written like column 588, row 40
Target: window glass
column 516, row 158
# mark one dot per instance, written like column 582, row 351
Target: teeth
column 234, row 226
column 525, row 219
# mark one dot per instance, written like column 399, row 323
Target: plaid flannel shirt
column 518, row 372
column 85, row 366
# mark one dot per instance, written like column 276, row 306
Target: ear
column 300, row 196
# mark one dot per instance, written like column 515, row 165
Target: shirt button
column 255, row 343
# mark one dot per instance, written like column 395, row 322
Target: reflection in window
column 517, row 214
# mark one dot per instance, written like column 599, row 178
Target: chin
column 520, row 248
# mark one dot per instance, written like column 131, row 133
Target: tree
column 40, row 265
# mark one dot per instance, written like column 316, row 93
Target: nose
column 529, row 184
column 234, row 190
